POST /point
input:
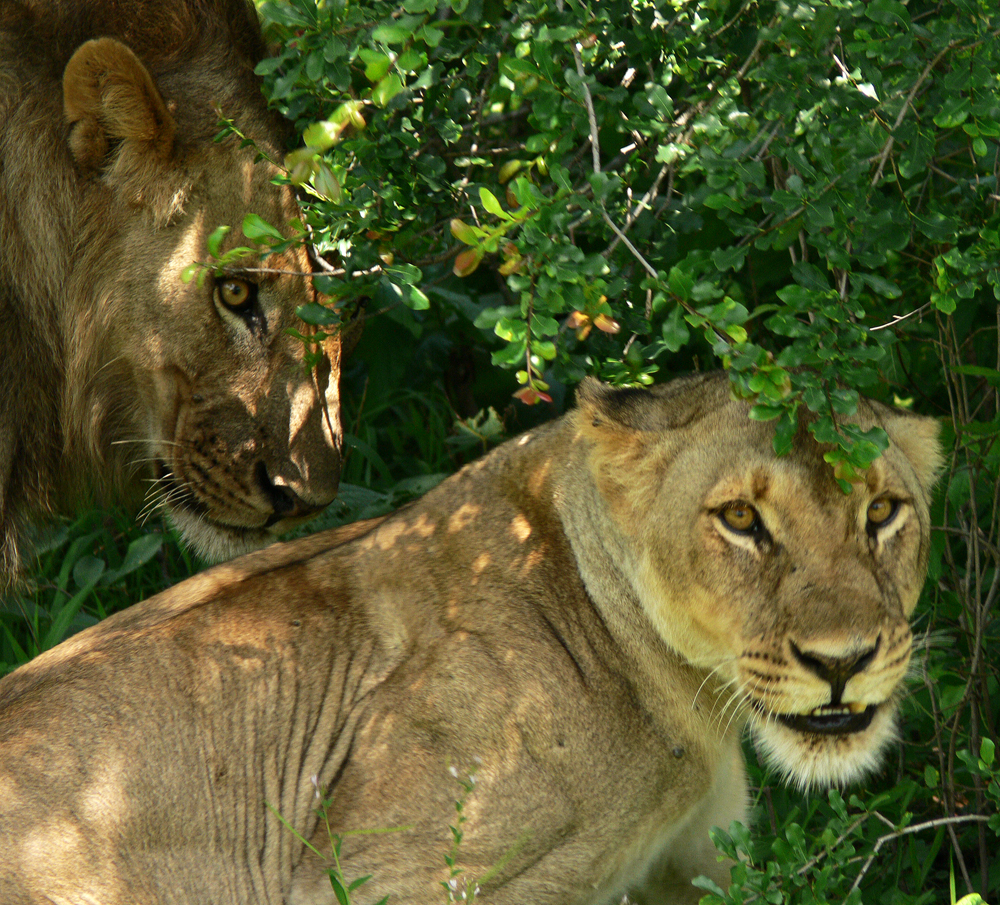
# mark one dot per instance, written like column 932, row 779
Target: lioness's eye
column 236, row 294
column 741, row 517
column 881, row 511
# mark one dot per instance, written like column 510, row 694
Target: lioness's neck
column 605, row 558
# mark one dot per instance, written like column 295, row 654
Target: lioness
column 585, row 619
column 113, row 372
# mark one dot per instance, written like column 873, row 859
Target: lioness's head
column 192, row 396
column 762, row 571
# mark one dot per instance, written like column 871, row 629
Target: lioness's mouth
column 828, row 720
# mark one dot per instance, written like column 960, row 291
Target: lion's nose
column 285, row 502
column 836, row 670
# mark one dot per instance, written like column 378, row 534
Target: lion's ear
column 110, row 100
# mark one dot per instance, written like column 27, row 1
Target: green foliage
column 765, row 183
column 86, row 570
column 342, row 887
column 457, row 888
column 832, row 850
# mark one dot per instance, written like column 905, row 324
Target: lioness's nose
column 836, row 670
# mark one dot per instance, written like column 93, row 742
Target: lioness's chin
column 216, row 543
column 825, row 756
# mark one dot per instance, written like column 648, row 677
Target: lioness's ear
column 109, row 97
column 665, row 407
column 602, row 406
column 919, row 439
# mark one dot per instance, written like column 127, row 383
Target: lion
column 117, row 376
column 578, row 626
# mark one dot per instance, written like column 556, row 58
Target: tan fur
column 567, row 619
column 115, row 376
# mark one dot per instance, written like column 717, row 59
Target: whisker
column 163, row 491
column 722, row 692
column 739, row 701
column 728, row 694
column 708, row 676
column 734, row 704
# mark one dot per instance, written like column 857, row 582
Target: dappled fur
column 567, row 620
column 111, row 369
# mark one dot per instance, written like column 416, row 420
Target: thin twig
column 899, row 318
column 916, row 828
column 588, row 101
column 595, row 145
column 887, row 148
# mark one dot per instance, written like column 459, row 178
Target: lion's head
column 761, row 570
column 115, row 374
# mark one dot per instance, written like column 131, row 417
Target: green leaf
column 322, row 135
column 466, row 234
column 784, row 431
column 491, row 204
column 386, row 90
column 338, row 889
column 954, row 111
column 675, row 330
column 66, row 614
column 889, row 13
column 418, row 300
column 431, row 35
column 810, row 276
column 412, row 60
column 515, row 68
column 140, row 552
column 680, row 283
column 719, row 200
column 882, row 286
column 731, row 257
column 257, row 229
column 987, row 751
column 512, row 353
column 990, row 375
column 214, row 241
column 317, row 315
column 377, row 65
column 736, row 332
column 944, row 303
column 326, row 185
column 87, row 570
column 391, row 33
column 764, row 412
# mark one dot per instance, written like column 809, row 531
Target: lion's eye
column 236, row 294
column 741, row 517
column 881, row 512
